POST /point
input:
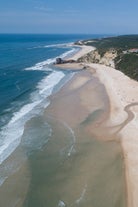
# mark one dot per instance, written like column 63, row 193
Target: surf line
column 72, row 148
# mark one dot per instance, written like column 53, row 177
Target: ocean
column 35, row 149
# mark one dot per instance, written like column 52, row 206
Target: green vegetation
column 128, row 64
column 126, row 60
column 123, row 42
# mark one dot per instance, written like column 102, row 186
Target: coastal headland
column 118, row 123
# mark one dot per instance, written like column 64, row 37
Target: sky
column 69, row 16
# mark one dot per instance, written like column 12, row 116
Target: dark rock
column 61, row 61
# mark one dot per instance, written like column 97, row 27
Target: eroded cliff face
column 105, row 58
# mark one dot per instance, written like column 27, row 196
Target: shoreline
column 93, row 146
column 83, row 51
column 122, row 92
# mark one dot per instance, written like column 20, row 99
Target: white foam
column 46, row 85
column 72, row 148
column 2, row 180
column 72, row 51
column 12, row 132
column 61, row 204
column 23, row 111
column 61, row 45
column 80, row 199
column 43, row 66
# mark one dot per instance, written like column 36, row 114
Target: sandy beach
column 121, row 120
column 85, row 144
column 92, row 172
column 84, row 50
column 123, row 95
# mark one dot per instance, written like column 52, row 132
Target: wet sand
column 82, row 164
column 122, row 123
column 16, row 171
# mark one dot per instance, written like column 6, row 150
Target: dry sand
column 123, row 120
column 84, row 50
column 123, row 95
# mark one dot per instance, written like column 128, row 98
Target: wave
column 70, row 52
column 11, row 133
column 71, row 149
column 43, row 66
column 62, row 45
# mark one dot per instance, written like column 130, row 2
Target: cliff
column 119, row 52
column 105, row 58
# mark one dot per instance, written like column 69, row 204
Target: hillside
column 120, row 52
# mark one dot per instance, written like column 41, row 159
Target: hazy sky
column 69, row 16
